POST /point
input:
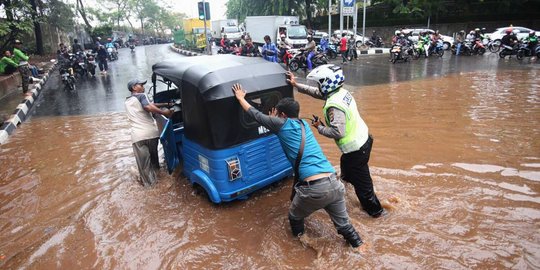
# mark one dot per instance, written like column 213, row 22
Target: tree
column 16, row 21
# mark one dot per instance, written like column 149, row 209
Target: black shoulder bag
column 298, row 159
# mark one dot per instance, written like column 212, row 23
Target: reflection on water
column 455, row 160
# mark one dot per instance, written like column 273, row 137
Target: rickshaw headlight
column 233, row 165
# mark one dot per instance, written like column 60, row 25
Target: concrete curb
column 374, row 51
column 184, row 52
column 20, row 114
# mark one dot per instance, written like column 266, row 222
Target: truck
column 228, row 27
column 194, row 33
column 274, row 26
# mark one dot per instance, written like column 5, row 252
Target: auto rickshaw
column 222, row 149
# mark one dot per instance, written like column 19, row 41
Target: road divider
column 184, row 52
column 21, row 112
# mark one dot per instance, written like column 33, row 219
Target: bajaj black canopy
column 212, row 115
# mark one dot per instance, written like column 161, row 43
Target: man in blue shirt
column 318, row 186
column 269, row 50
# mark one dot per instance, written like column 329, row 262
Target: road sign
column 348, row 7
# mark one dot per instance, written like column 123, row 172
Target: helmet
column 98, row 38
column 472, row 32
column 282, row 36
column 483, row 29
column 329, row 77
column 397, row 32
column 477, row 30
column 109, row 39
column 309, row 36
column 508, row 30
column 532, row 33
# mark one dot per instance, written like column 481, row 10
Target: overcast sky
column 189, row 7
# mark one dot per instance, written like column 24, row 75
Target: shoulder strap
column 300, row 153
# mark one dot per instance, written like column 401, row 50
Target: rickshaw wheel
column 199, row 190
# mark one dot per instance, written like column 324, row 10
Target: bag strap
column 298, row 159
column 300, row 152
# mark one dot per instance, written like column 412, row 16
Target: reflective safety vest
column 356, row 130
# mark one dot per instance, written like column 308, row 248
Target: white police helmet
column 329, row 77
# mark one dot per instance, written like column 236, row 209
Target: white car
column 358, row 38
column 447, row 40
column 521, row 32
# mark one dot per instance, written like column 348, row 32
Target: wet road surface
column 456, row 161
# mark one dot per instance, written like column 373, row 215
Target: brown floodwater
column 456, row 161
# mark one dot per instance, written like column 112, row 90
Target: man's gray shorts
column 146, row 154
column 327, row 194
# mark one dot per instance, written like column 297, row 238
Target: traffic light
column 202, row 9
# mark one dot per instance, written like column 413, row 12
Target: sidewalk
column 14, row 106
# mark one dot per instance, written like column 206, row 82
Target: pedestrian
column 144, row 132
column 21, row 59
column 317, row 186
column 269, row 50
column 347, row 128
column 343, row 47
column 102, row 59
column 7, row 65
column 351, row 46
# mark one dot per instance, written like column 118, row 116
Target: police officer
column 347, row 128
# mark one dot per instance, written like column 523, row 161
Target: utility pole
column 329, row 19
column 364, row 24
column 208, row 49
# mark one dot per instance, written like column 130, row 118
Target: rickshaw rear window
column 263, row 103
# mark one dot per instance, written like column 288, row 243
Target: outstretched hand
column 238, row 91
column 290, row 78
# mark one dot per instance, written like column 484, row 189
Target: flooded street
column 456, row 162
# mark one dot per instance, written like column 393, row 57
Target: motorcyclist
column 283, row 46
column 460, row 37
column 269, row 50
column 471, row 36
column 98, row 43
column 324, row 43
column 249, row 49
column 434, row 39
column 509, row 39
column 423, row 42
column 309, row 51
column 76, row 47
column 109, row 44
column 334, row 39
column 225, row 43
column 396, row 37
column 532, row 41
column 374, row 39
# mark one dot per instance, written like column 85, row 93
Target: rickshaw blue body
column 227, row 169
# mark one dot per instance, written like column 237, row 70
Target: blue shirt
column 289, row 134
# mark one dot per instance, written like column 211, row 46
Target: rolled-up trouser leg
column 143, row 154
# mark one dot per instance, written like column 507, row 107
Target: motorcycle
column 68, row 78
column 525, row 51
column 285, row 56
column 508, row 50
column 437, row 48
column 78, row 63
column 420, row 49
column 478, row 47
column 331, row 50
column 91, row 63
column 396, row 54
column 466, row 48
column 375, row 44
column 300, row 61
column 112, row 54
column 492, row 45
